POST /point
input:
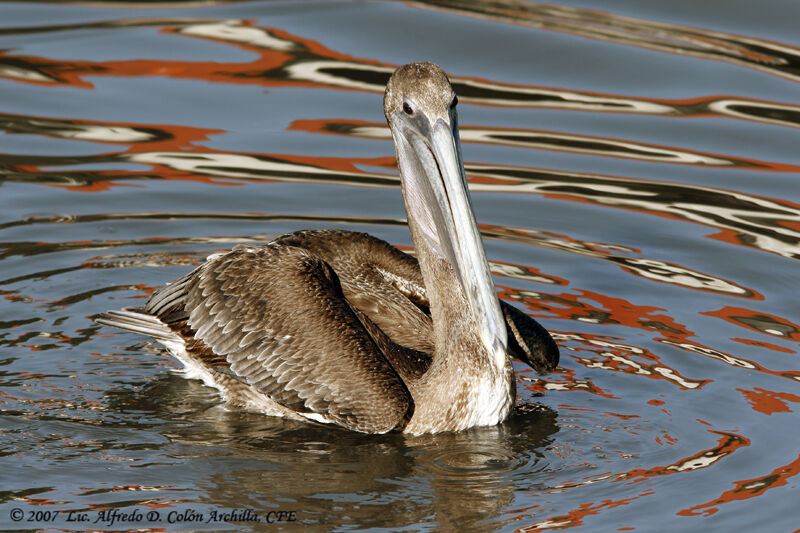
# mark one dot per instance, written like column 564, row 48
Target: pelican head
column 420, row 107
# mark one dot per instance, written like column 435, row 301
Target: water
column 634, row 171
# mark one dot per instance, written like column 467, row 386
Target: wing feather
column 278, row 316
column 379, row 280
column 323, row 322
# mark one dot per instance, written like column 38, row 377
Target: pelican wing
column 277, row 315
column 386, row 284
column 379, row 280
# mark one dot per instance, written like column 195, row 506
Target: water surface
column 634, row 171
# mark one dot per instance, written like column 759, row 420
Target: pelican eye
column 407, row 109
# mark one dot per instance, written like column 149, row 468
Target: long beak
column 437, row 199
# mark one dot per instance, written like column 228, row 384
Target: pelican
column 337, row 327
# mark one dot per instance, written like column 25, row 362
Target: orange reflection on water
column 576, row 516
column 597, row 308
column 172, row 152
column 138, row 137
column 275, row 49
column 696, row 347
column 762, row 344
column 622, row 358
column 291, row 61
column 523, row 272
column 592, row 307
column 564, row 379
column 607, row 352
column 727, row 444
column 628, row 259
column 768, row 402
column 746, row 489
column 553, row 141
column 758, row 321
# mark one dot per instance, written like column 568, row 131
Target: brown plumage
column 341, row 327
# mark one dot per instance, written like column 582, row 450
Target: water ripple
column 652, row 225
